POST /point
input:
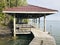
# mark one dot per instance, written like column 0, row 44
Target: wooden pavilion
column 29, row 11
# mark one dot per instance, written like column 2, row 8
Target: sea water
column 20, row 40
column 52, row 26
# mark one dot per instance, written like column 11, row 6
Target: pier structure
column 41, row 38
column 32, row 12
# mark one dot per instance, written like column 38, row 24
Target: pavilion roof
column 29, row 9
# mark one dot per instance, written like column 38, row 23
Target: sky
column 52, row 4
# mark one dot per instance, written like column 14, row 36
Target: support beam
column 14, row 26
column 36, row 20
column 33, row 21
column 44, row 23
column 39, row 22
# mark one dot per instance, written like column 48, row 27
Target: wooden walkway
column 41, row 38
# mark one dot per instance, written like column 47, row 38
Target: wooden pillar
column 44, row 23
column 39, row 22
column 14, row 26
column 36, row 20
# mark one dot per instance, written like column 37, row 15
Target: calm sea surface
column 54, row 28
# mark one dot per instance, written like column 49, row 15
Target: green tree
column 9, row 3
column 15, row 3
column 2, row 16
column 22, row 3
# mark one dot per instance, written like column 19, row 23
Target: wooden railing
column 23, row 28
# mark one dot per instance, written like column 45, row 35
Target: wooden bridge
column 41, row 38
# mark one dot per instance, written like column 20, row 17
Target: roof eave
column 29, row 12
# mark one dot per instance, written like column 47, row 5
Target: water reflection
column 21, row 40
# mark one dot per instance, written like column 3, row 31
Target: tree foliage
column 1, row 6
column 22, row 2
column 15, row 3
column 2, row 16
column 9, row 3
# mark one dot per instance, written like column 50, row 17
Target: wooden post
column 39, row 22
column 36, row 20
column 14, row 26
column 44, row 23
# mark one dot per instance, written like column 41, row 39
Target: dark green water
column 21, row 40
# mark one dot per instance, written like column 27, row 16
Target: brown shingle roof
column 30, row 8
